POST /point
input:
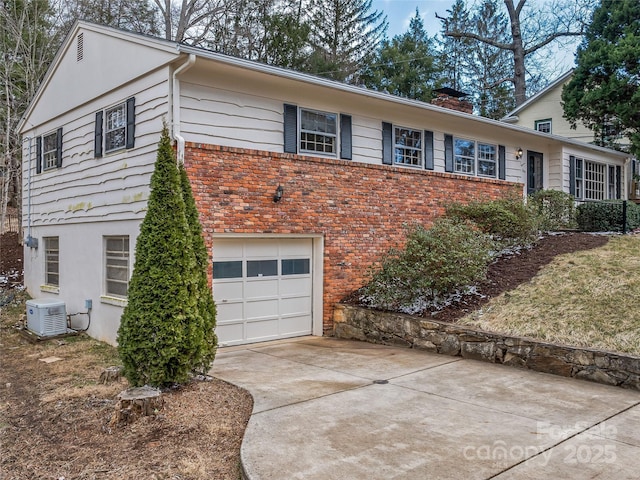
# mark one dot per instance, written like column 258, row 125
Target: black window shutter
column 428, row 150
column 448, row 153
column 39, row 155
column 618, row 182
column 572, row 175
column 131, row 122
column 387, row 140
column 502, row 163
column 345, row 137
column 97, row 143
column 59, row 148
column 290, row 128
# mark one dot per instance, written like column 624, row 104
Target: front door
column 534, row 172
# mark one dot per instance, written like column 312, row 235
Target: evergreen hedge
column 163, row 334
column 606, row 216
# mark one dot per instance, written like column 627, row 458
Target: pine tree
column 454, row 52
column 162, row 334
column 604, row 91
column 404, row 66
column 344, row 37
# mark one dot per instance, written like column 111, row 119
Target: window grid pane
column 228, row 269
column 408, row 146
column 318, row 131
column 464, row 156
column 486, row 160
column 115, row 128
column 117, row 265
column 52, row 261
column 544, row 126
column 295, row 266
column 594, row 181
column 262, row 268
column 49, row 150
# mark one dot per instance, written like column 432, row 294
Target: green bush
column 164, row 330
column 508, row 221
column 555, row 210
column 434, row 263
column 606, row 216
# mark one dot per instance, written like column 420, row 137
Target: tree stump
column 110, row 374
column 135, row 403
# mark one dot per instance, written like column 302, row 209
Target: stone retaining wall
column 359, row 323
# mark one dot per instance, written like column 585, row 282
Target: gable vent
column 80, row 41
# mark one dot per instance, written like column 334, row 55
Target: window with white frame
column 543, row 126
column 595, row 181
column 115, row 128
column 487, row 160
column 52, row 261
column 116, row 265
column 471, row 158
column 318, row 132
column 115, row 135
column 464, row 156
column 50, row 150
column 407, row 146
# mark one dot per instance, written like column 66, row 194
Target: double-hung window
column 311, row 132
column 318, row 132
column 49, row 151
column 474, row 158
column 407, row 146
column 116, row 266
column 52, row 261
column 464, row 156
column 115, row 128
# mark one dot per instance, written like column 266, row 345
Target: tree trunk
column 135, row 403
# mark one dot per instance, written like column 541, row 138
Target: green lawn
column 588, row 299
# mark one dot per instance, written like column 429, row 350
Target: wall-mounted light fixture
column 278, row 195
column 519, row 153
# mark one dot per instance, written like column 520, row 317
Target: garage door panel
column 261, row 289
column 295, row 286
column 292, row 247
column 261, row 248
column 229, row 312
column 264, row 329
column 228, row 291
column 291, row 325
column 261, row 309
column 232, row 333
column 295, row 305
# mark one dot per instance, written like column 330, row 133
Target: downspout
column 29, row 241
column 175, row 106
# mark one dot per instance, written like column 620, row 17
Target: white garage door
column 262, row 289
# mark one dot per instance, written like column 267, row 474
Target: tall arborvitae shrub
column 206, row 307
column 161, row 335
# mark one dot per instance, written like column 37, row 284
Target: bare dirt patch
column 55, row 418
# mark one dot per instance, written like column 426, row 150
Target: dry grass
column 55, row 418
column 587, row 299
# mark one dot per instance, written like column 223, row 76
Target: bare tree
column 192, row 21
column 532, row 28
column 26, row 35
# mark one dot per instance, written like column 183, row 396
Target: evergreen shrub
column 434, row 263
column 508, row 221
column 164, row 330
column 556, row 210
column 606, row 216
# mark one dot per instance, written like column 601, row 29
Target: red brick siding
column 358, row 208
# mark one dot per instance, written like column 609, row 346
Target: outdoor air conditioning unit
column 46, row 317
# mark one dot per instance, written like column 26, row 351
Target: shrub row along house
column 301, row 183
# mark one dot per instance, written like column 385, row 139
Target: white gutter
column 175, row 106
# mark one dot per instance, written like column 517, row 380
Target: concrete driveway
column 337, row 409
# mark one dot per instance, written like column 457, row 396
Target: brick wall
column 358, row 208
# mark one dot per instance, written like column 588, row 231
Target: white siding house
column 354, row 165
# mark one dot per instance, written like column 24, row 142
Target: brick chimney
column 452, row 99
